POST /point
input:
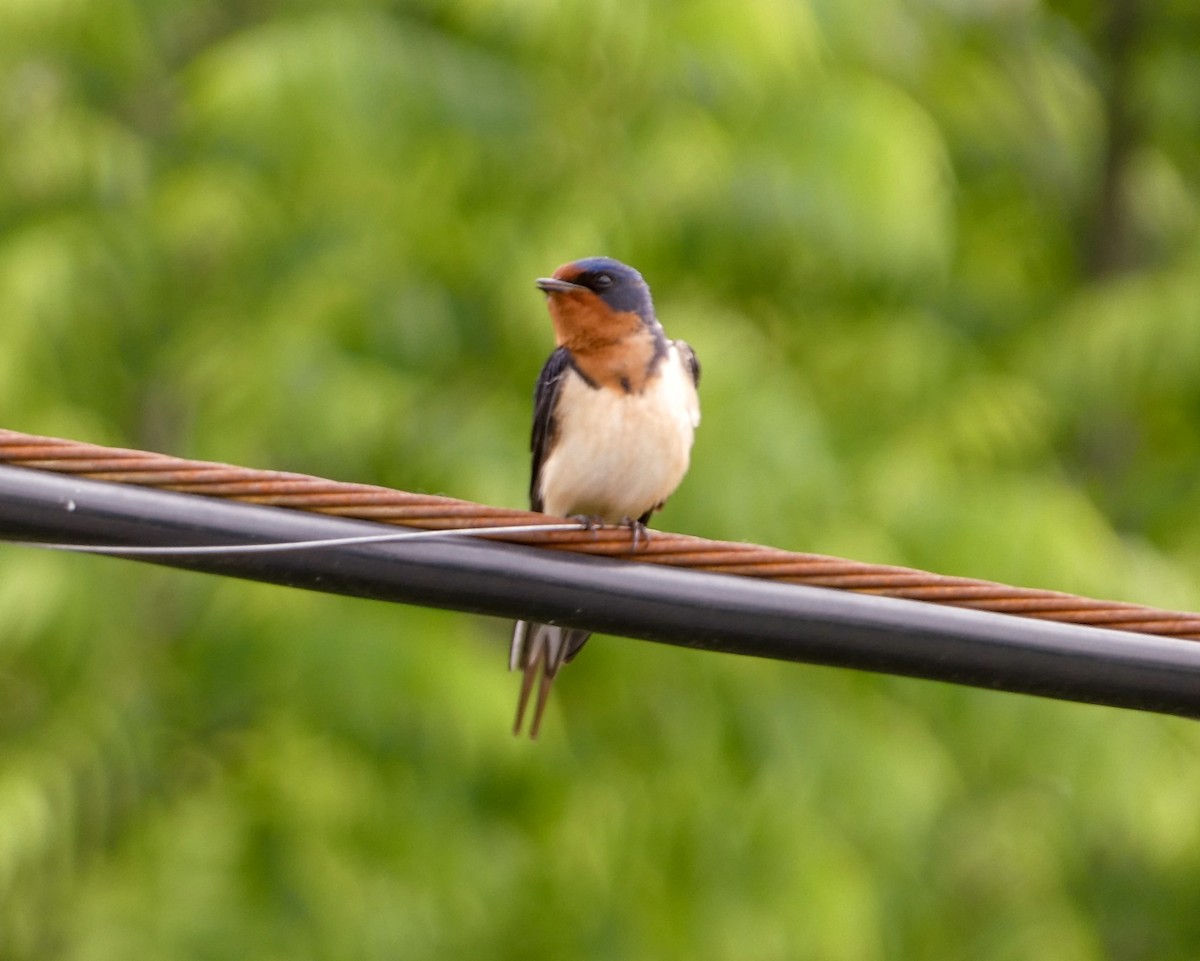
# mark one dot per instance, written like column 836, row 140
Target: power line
column 432, row 512
column 740, row 615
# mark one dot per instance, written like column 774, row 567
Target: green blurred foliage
column 942, row 264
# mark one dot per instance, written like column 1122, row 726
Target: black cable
column 707, row 611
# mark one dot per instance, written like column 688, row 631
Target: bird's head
column 597, row 299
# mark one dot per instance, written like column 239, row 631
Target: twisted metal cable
column 433, row 512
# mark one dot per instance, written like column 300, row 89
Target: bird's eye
column 603, row 280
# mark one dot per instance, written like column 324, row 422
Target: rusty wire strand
column 434, row 512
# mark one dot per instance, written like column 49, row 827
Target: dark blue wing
column 690, row 360
column 545, row 424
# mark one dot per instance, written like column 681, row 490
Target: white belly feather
column 619, row 455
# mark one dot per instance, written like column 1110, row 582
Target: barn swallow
column 614, row 412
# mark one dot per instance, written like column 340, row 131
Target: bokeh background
column 940, row 259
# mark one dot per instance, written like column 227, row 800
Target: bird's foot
column 639, row 531
column 590, row 522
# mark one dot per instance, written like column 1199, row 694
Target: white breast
column 619, row 455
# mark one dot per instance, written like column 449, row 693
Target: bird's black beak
column 552, row 285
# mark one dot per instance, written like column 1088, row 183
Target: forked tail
column 540, row 649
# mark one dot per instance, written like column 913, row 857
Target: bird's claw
column 639, row 530
column 590, row 522
column 593, row 523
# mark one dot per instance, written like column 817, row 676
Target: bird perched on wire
column 614, row 413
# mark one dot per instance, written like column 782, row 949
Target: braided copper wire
column 432, row 512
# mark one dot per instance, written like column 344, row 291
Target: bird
column 614, row 415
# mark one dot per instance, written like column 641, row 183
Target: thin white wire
column 280, row 546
